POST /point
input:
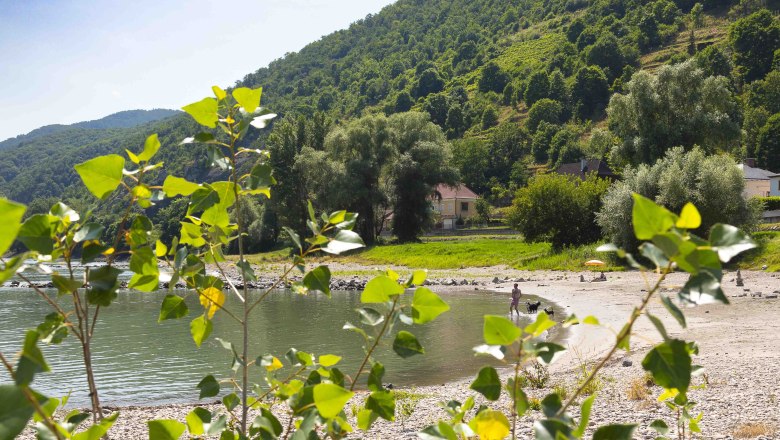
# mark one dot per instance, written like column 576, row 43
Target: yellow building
column 454, row 202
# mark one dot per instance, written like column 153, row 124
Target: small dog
column 550, row 313
column 533, row 307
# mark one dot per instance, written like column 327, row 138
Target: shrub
column 713, row 183
column 559, row 209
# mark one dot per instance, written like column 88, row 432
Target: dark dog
column 533, row 307
column 550, row 313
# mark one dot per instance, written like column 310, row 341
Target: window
column 464, row 206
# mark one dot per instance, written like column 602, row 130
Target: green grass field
column 460, row 252
column 767, row 254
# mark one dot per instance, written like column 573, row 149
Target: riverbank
column 739, row 349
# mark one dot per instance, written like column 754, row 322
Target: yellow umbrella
column 595, row 263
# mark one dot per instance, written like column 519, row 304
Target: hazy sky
column 64, row 61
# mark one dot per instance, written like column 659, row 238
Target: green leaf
column 689, row 217
column 654, row 254
column 203, row 198
column 382, row 403
column 440, row 431
column 541, row 325
column 673, row 310
column 344, row 241
column 519, row 397
column 11, row 215
column 587, row 404
column 426, row 305
column 318, row 280
column 88, row 231
column 266, row 422
column 96, row 432
column 64, row 213
column 218, row 92
column 498, row 330
column 151, row 146
column 173, row 307
column 380, row 289
column 487, row 383
column 217, row 214
column 330, row 399
column 15, row 411
column 369, row 316
column 231, row 401
column 366, row 418
column 729, row 241
column 208, row 386
column 261, row 176
column 293, row 236
column 490, row 425
column 649, row 218
column 406, row 345
column 551, row 429
column 200, row 421
column 546, row 351
column 36, row 234
column 492, row 350
column 103, row 284
column 173, row 186
column 146, row 276
column 191, row 234
column 204, row 112
column 660, row 426
column 615, row 432
column 329, row 360
column 31, row 361
column 165, row 429
column 375, row 376
column 417, row 279
column 703, row 288
column 658, row 325
column 670, row 365
column 200, row 328
column 248, row 98
column 102, row 175
column 551, row 404
column 53, row 329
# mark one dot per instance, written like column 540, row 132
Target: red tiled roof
column 455, row 192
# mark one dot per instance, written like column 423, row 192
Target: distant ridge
column 123, row 119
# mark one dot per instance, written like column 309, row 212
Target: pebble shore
column 739, row 349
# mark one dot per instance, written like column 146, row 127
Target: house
column 585, row 166
column 759, row 182
column 454, row 202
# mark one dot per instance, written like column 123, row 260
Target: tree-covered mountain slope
column 517, row 87
column 123, row 119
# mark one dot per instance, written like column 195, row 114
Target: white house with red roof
column 453, row 202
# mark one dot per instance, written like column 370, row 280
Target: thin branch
column 635, row 314
column 376, row 343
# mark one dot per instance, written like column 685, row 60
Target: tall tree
column 755, row 39
column 679, row 106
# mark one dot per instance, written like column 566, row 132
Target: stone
column 627, row 363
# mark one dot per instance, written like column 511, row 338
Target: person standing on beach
column 515, row 300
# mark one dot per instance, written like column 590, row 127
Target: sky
column 65, row 61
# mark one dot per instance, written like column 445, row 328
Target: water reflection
column 141, row 362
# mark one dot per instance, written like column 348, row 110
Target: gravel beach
column 739, row 349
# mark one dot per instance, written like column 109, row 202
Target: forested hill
column 124, row 119
column 516, row 86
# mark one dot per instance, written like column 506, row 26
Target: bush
column 559, row 209
column 713, row 183
column 769, row 203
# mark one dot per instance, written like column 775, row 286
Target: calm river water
column 141, row 362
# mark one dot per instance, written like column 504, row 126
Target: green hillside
column 517, row 87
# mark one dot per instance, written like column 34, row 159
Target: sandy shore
column 739, row 348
